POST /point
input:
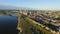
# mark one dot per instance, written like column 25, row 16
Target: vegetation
column 56, row 18
column 39, row 28
column 2, row 12
column 29, row 27
column 25, row 26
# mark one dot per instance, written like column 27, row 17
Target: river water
column 8, row 24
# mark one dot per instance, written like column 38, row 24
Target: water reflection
column 8, row 24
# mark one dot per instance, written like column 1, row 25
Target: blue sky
column 38, row 4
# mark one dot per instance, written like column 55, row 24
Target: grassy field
column 39, row 28
column 26, row 26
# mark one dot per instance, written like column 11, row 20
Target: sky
column 37, row 4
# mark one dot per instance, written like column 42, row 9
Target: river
column 8, row 24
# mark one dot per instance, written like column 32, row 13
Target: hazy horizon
column 36, row 4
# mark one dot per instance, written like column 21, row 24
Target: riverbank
column 26, row 25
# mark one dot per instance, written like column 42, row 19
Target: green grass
column 26, row 25
column 38, row 27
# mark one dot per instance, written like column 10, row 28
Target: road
column 42, row 18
